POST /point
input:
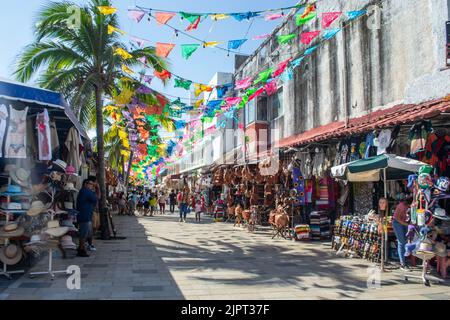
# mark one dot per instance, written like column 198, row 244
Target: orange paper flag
column 164, row 49
column 163, row 75
column 164, row 17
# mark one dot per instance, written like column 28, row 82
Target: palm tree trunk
column 104, row 225
column 128, row 171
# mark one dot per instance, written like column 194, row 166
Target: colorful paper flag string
column 244, row 83
column 329, row 17
column 164, row 49
column 235, row 44
column 188, row 49
column 123, row 53
column 181, row 83
column 106, row 10
column 330, row 33
column 136, row 15
column 163, row 17
column 286, row 38
column 300, row 20
column 307, row 37
column 355, row 14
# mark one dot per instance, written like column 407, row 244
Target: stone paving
column 164, row 259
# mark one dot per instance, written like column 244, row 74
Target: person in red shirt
column 400, row 225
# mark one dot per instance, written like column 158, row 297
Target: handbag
column 95, row 220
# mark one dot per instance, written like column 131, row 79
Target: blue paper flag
column 222, row 90
column 179, row 124
column 243, row 16
column 213, row 104
column 295, row 63
column 331, row 33
column 288, row 75
column 355, row 14
column 235, row 44
column 310, row 50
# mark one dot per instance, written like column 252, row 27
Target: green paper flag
column 188, row 49
column 191, row 17
column 300, row 21
column 185, row 84
column 286, row 38
column 263, row 77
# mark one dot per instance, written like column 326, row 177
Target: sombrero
column 11, row 230
column 54, row 230
column 20, row 176
column 36, row 208
column 10, row 254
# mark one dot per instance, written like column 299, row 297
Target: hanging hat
column 442, row 184
column 71, row 170
column 67, row 243
column 35, row 240
column 70, row 187
column 20, row 176
column 440, row 213
column 11, row 230
column 36, row 208
column 55, row 230
column 426, row 169
column 59, row 165
column 10, row 254
column 440, row 249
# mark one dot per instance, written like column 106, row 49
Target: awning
column 400, row 114
column 370, row 169
column 35, row 97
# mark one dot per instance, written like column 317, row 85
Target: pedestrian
column 140, row 204
column 219, row 208
column 122, row 204
column 184, row 204
column 172, row 201
column 146, row 204
column 198, row 210
column 86, row 202
column 400, row 225
column 153, row 200
column 132, row 201
column 162, row 203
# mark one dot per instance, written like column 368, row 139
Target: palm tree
column 80, row 62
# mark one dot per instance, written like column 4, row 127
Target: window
column 250, row 112
column 276, row 105
column 262, row 109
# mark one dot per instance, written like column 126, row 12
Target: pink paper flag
column 307, row 37
column 241, row 126
column 256, row 94
column 271, row 88
column 281, row 67
column 140, row 42
column 329, row 17
column 231, row 101
column 143, row 60
column 244, row 83
column 260, row 37
column 273, row 16
column 136, row 15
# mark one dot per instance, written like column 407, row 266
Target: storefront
column 45, row 155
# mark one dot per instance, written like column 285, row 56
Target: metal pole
column 383, row 233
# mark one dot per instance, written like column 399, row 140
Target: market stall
column 44, row 156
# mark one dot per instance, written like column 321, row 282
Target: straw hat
column 59, row 165
column 36, row 208
column 35, row 240
column 54, row 230
column 21, row 176
column 11, row 230
column 69, row 224
column 70, row 187
column 10, row 254
column 67, row 243
column 440, row 213
column 71, row 170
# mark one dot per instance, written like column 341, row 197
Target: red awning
column 401, row 114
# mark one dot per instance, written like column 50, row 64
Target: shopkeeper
column 400, row 225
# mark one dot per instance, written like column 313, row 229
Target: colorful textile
column 260, row 37
column 188, row 49
column 163, row 17
column 44, row 139
column 16, row 139
column 219, row 16
column 199, row 88
column 222, row 90
column 211, row 44
column 164, row 49
column 193, row 25
column 112, row 29
column 243, row 16
column 185, row 84
column 329, row 17
column 232, row 101
column 310, row 50
column 3, row 120
column 307, row 37
column 140, row 42
column 295, row 63
column 256, row 94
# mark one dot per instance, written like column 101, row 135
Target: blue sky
column 16, row 21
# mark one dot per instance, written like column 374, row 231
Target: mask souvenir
column 424, row 180
column 442, row 184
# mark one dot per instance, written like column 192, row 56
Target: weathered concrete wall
column 364, row 68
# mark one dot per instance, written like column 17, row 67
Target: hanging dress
column 16, row 139
column 44, row 135
column 3, row 120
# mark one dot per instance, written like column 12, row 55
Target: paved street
column 164, row 259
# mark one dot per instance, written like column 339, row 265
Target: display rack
column 5, row 271
column 50, row 270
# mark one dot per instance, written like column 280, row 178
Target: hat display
column 11, row 230
column 71, row 170
column 13, row 189
column 69, row 224
column 59, row 165
column 67, row 243
column 440, row 213
column 55, row 230
column 12, row 206
column 20, row 176
column 10, row 254
column 70, row 187
column 36, row 208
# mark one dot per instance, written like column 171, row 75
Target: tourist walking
column 162, row 203
column 86, row 202
column 153, row 200
column 172, row 201
column 184, row 204
column 198, row 209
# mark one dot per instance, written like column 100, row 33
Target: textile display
column 54, row 139
column 299, row 185
column 319, row 225
column 73, row 144
column 44, row 135
column 15, row 145
column 3, row 119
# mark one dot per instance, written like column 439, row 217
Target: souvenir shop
column 372, row 174
column 44, row 156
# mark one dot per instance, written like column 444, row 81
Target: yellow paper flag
column 122, row 134
column 199, row 88
column 126, row 69
column 112, row 29
column 198, row 103
column 106, row 10
column 124, row 97
column 123, row 53
column 220, row 16
column 125, row 143
column 211, row 43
